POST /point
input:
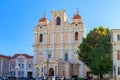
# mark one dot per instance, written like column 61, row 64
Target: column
column 35, row 38
column 70, row 55
column 45, row 55
column 35, row 62
column 53, row 44
column 67, row 71
column 62, row 45
column 25, row 68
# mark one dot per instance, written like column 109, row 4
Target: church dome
column 77, row 16
column 44, row 19
column 77, row 19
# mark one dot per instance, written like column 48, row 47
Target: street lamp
column 17, row 68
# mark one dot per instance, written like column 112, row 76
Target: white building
column 21, row 65
column 56, row 44
column 116, row 53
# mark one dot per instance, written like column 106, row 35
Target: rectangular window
column 118, row 70
column 22, row 66
column 13, row 66
column 49, row 55
column 118, row 55
column 19, row 65
column 19, row 73
column 76, row 35
column 66, row 57
column 118, row 37
column 29, row 66
column 22, row 73
column 14, row 73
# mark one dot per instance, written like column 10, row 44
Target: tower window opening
column 58, row 21
column 76, row 35
column 118, row 37
column 41, row 37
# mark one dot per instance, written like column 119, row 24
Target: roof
column 25, row 55
column 4, row 56
column 44, row 19
column 77, row 16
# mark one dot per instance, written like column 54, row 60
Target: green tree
column 95, row 51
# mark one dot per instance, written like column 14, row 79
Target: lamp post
column 17, row 68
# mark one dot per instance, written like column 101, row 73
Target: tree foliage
column 95, row 50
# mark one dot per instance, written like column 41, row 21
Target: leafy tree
column 95, row 51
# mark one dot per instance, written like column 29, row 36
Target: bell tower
column 59, row 17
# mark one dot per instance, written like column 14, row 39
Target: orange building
column 4, row 65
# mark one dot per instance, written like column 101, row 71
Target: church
column 55, row 46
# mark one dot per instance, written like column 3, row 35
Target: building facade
column 115, row 33
column 4, row 65
column 56, row 44
column 21, row 65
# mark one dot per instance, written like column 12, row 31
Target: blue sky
column 18, row 18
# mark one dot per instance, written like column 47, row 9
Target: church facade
column 55, row 46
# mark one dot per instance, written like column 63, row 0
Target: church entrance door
column 51, row 72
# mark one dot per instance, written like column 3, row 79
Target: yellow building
column 56, row 44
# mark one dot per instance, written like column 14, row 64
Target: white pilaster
column 25, row 67
column 45, row 55
column 35, row 61
column 70, row 55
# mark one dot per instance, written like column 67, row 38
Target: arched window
column 41, row 38
column 76, row 35
column 58, row 21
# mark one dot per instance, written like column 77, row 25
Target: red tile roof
column 26, row 55
column 43, row 19
column 4, row 56
column 77, row 16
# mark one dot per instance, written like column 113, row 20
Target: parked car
column 12, row 78
column 22, row 78
column 85, row 78
column 38, row 78
column 5, row 78
column 31, row 78
column 0, row 77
